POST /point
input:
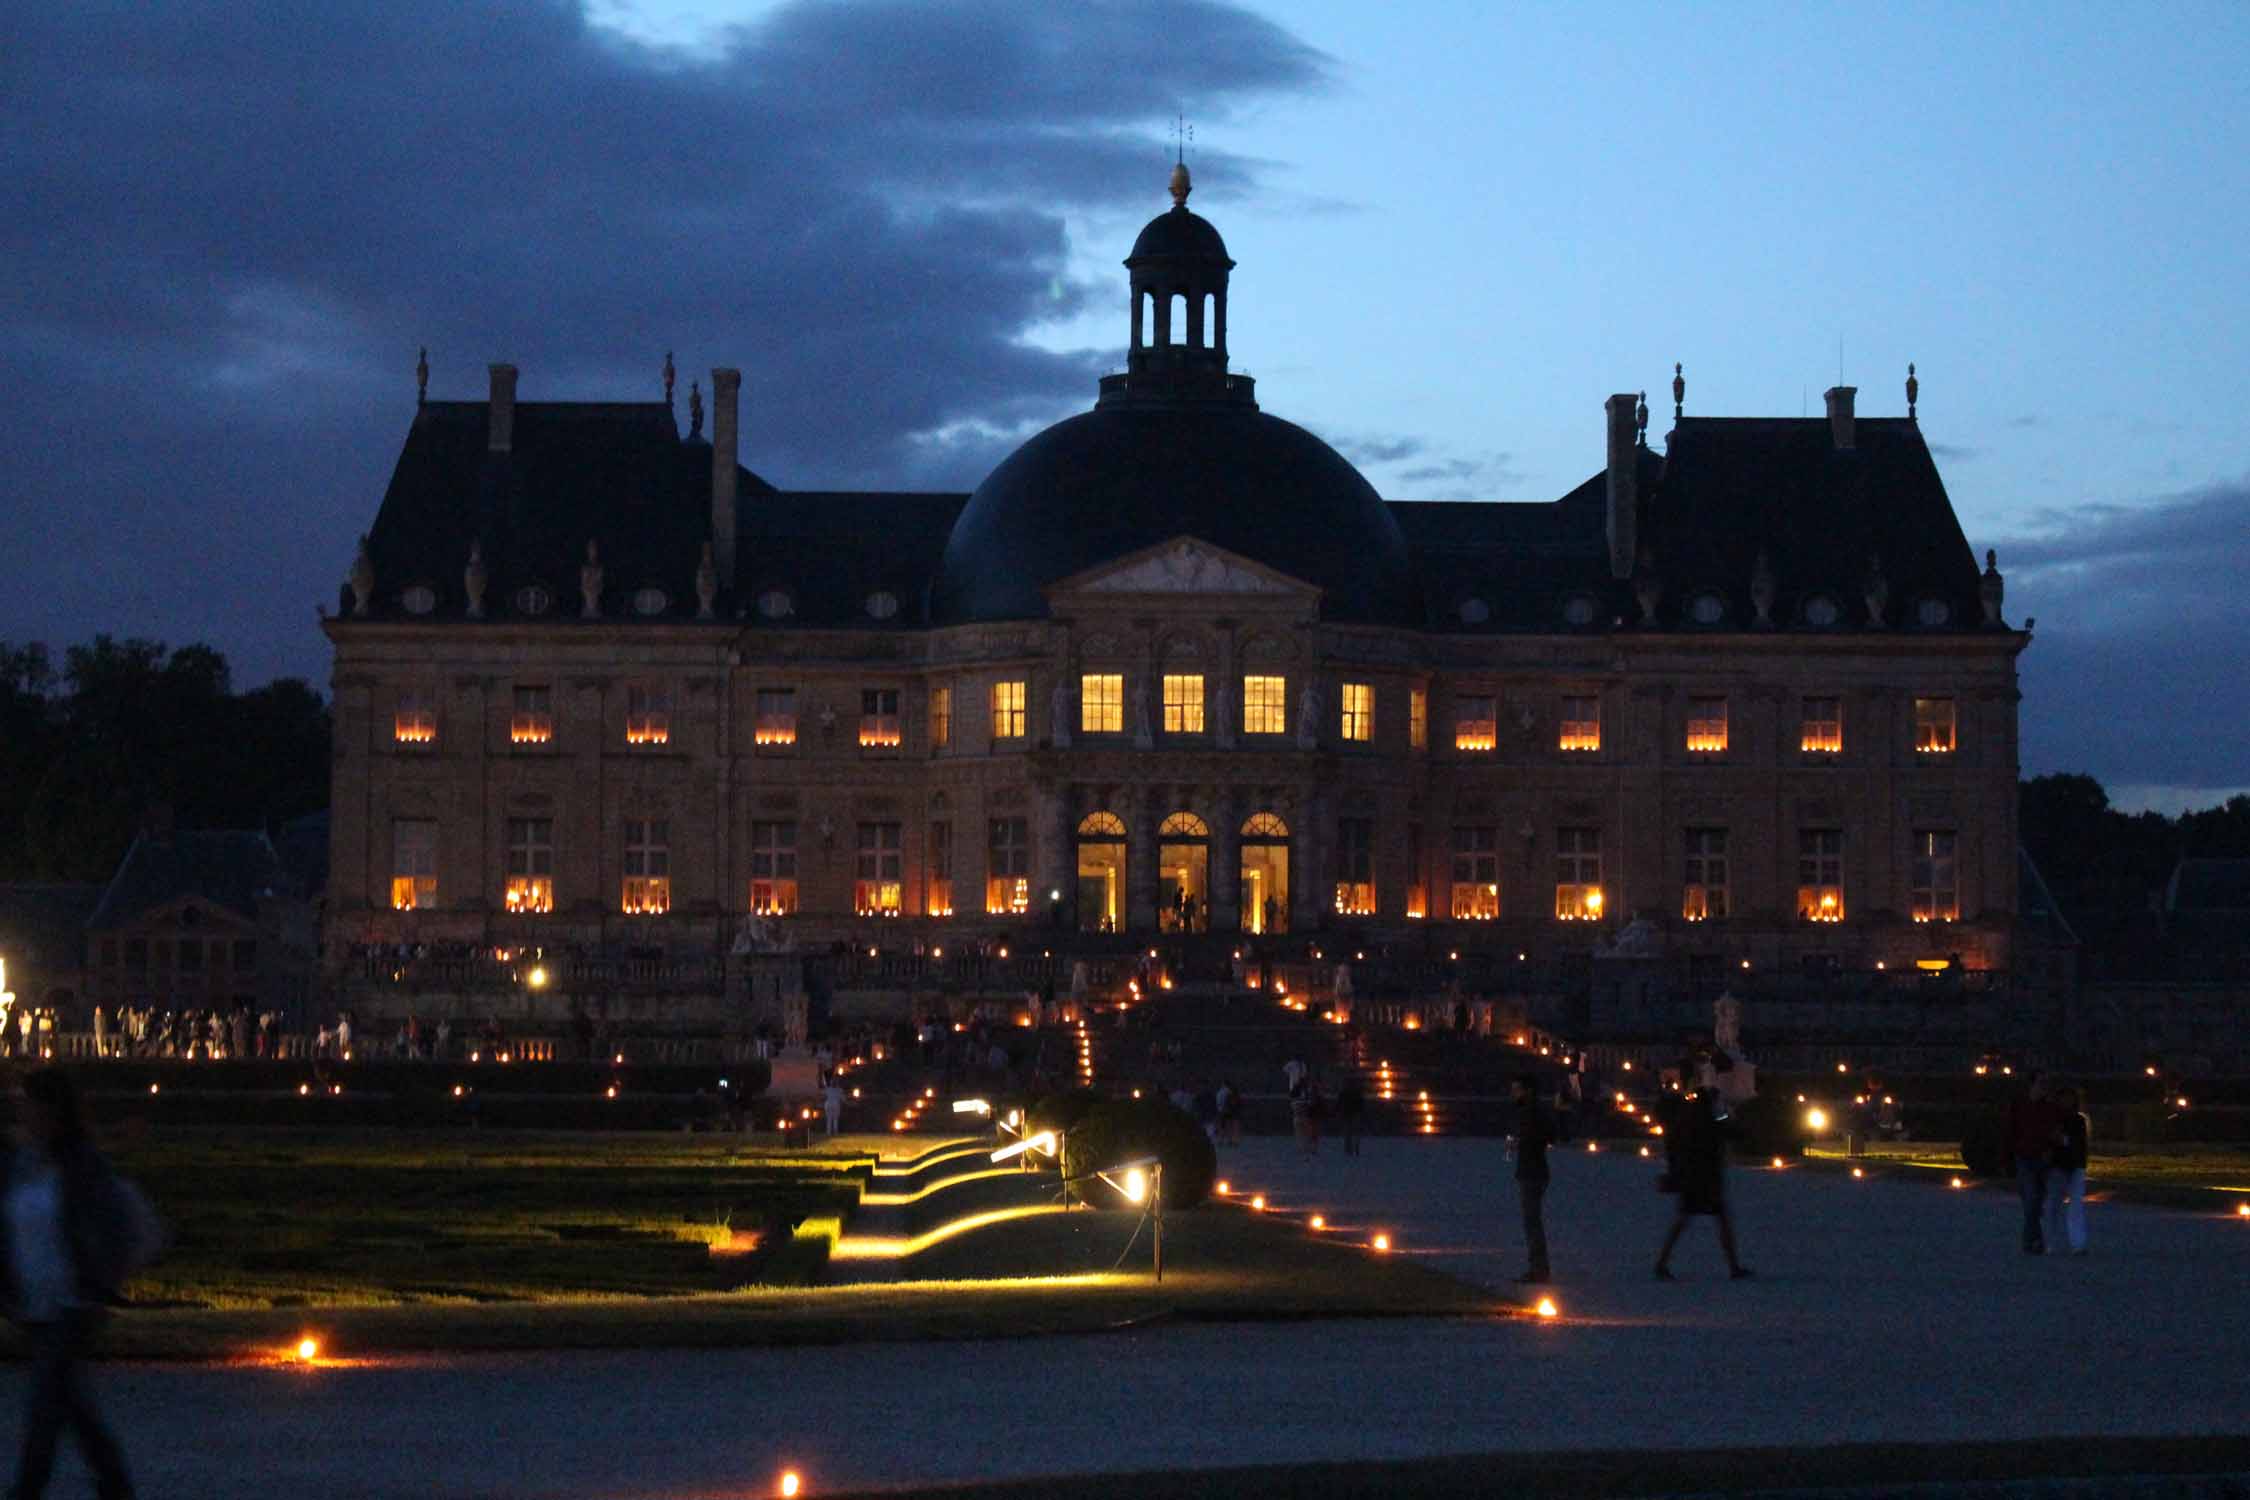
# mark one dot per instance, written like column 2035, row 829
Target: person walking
column 2066, row 1179
column 1534, row 1132
column 69, row 1246
column 2034, row 1130
column 832, row 1103
column 1351, row 1109
column 1696, row 1171
column 1230, row 1113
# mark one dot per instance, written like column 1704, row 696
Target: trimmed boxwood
column 1120, row 1130
column 1984, row 1146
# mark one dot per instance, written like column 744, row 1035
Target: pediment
column 1185, row 565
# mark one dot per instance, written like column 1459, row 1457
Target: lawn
column 2175, row 1176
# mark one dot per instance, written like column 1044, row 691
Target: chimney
column 726, row 387
column 1624, row 484
column 503, row 409
column 1840, row 414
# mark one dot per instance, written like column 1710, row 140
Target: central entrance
column 1101, row 873
column 1265, row 874
column 1183, row 862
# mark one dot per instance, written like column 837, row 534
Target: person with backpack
column 74, row 1231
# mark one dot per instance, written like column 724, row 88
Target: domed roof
column 1122, row 478
column 1177, row 234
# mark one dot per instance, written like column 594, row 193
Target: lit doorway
column 1101, row 873
column 1265, row 874
column 1183, row 862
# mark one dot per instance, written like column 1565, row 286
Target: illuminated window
column 648, row 716
column 1355, row 863
column 1007, row 886
column 1578, row 874
column 940, row 863
column 1476, row 723
column 531, row 864
column 533, row 722
column 878, row 719
column 941, row 717
column 413, row 864
column 1265, row 705
column 1820, row 874
column 415, row 722
column 1417, row 880
column 1418, row 718
column 881, row 888
column 1476, row 874
column 1359, row 711
column 776, row 722
column 648, row 868
column 1580, row 727
column 1704, row 894
column 1707, row 725
column 1934, row 726
column 1183, row 703
column 1101, row 703
column 1823, row 727
column 1007, row 710
column 773, row 869
column 1936, row 891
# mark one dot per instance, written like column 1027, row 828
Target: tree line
column 92, row 747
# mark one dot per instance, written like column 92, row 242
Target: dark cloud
column 1451, row 478
column 231, row 226
column 1366, row 452
column 1954, row 453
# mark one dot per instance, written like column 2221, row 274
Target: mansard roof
column 229, row 868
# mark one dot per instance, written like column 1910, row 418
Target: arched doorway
column 1183, row 863
column 1265, row 874
column 1101, row 873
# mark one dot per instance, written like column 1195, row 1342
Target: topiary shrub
column 1984, row 1147
column 1060, row 1112
column 1120, row 1130
column 1768, row 1125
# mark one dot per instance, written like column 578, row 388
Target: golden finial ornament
column 1181, row 186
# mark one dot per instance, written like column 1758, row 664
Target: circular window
column 1707, row 608
column 419, row 600
column 1578, row 610
column 1933, row 611
column 1475, row 611
column 533, row 600
column 882, row 604
column 651, row 602
column 775, row 604
column 1822, row 610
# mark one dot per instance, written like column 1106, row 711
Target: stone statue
column 1647, row 588
column 361, row 578
column 1726, row 1023
column 1058, row 712
column 1878, row 591
column 1343, row 983
column 473, row 580
column 590, row 584
column 1993, row 589
column 1308, row 716
column 760, row 934
column 1078, row 980
column 1142, row 738
column 1762, row 588
column 706, row 584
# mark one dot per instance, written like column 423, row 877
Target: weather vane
column 1182, row 133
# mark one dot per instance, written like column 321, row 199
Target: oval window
column 1475, row 611
column 1821, row 610
column 1578, row 610
column 775, row 604
column 531, row 599
column 651, row 602
column 419, row 600
column 882, row 604
column 1707, row 608
column 1933, row 611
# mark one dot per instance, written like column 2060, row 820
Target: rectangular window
column 648, row 716
column 415, row 722
column 940, row 902
column 941, row 718
column 1007, row 886
column 1936, row 889
column 1578, row 874
column 773, row 868
column 1476, row 874
column 881, row 888
column 1101, row 703
column 1183, row 703
column 1706, row 725
column 1418, row 718
column 1822, row 731
column 1355, row 864
column 776, row 721
column 1476, row 723
column 1359, row 712
column 1934, row 726
column 1704, row 894
column 1417, row 879
column 413, row 864
column 1580, row 725
column 878, row 719
column 533, row 722
column 1820, row 874
column 531, row 865
column 1007, row 710
column 648, row 868
column 1265, row 705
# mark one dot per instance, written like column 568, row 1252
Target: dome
column 1124, row 477
column 1178, row 235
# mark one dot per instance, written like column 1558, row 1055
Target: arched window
column 1101, row 825
column 1184, row 825
column 1264, row 825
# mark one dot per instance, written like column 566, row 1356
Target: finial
column 1913, row 390
column 669, row 376
column 1679, row 393
column 1180, row 184
column 422, row 376
column 1640, row 419
column 694, row 409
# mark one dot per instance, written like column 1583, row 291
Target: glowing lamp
column 1318, row 1221
column 1381, row 1244
column 457, row 1091
column 1843, row 1067
column 1592, row 1147
column 1859, row 1171
column 537, row 978
column 303, row 1089
column 1136, row 1185
column 2151, row 1071
column 2181, row 1101
column 792, row 1484
column 1222, row 1187
column 308, row 1349
column 152, row 1088
column 1258, row 1202
column 1547, row 1308
column 2242, row 1210
column 1644, row 1151
column 1816, row 1119
column 1778, row 1163
column 1957, row 1182
column 972, row 1107
column 610, row 1092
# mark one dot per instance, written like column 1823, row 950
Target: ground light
column 1258, row 1202
column 1957, row 1182
column 1816, row 1120
column 1222, row 1187
column 1381, row 1243
column 1319, row 1222
column 1859, row 1171
column 307, row 1349
column 2242, row 1210
column 1547, row 1308
column 792, row 1483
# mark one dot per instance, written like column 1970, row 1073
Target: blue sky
column 1459, row 227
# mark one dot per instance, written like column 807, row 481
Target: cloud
column 1369, row 451
column 230, row 229
column 1954, row 453
column 1477, row 476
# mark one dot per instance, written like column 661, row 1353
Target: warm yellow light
column 610, row 1092
column 791, row 1484
column 1628, row 1065
column 152, row 1088
column 1381, row 1242
column 2242, row 1210
column 1644, row 1150
column 1816, row 1119
column 537, row 978
column 1258, row 1201
column 303, row 1089
column 1777, row 1161
column 1318, row 1221
column 1222, row 1187
column 1547, row 1308
column 1859, row 1171
column 2182, row 1101
column 1957, row 1182
column 1592, row 1147
column 2151, row 1071
column 308, row 1349
column 457, row 1091
column 1136, row 1185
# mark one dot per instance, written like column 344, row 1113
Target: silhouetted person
column 1535, row 1131
column 1351, row 1106
column 2034, row 1131
column 1696, row 1172
column 2066, row 1179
